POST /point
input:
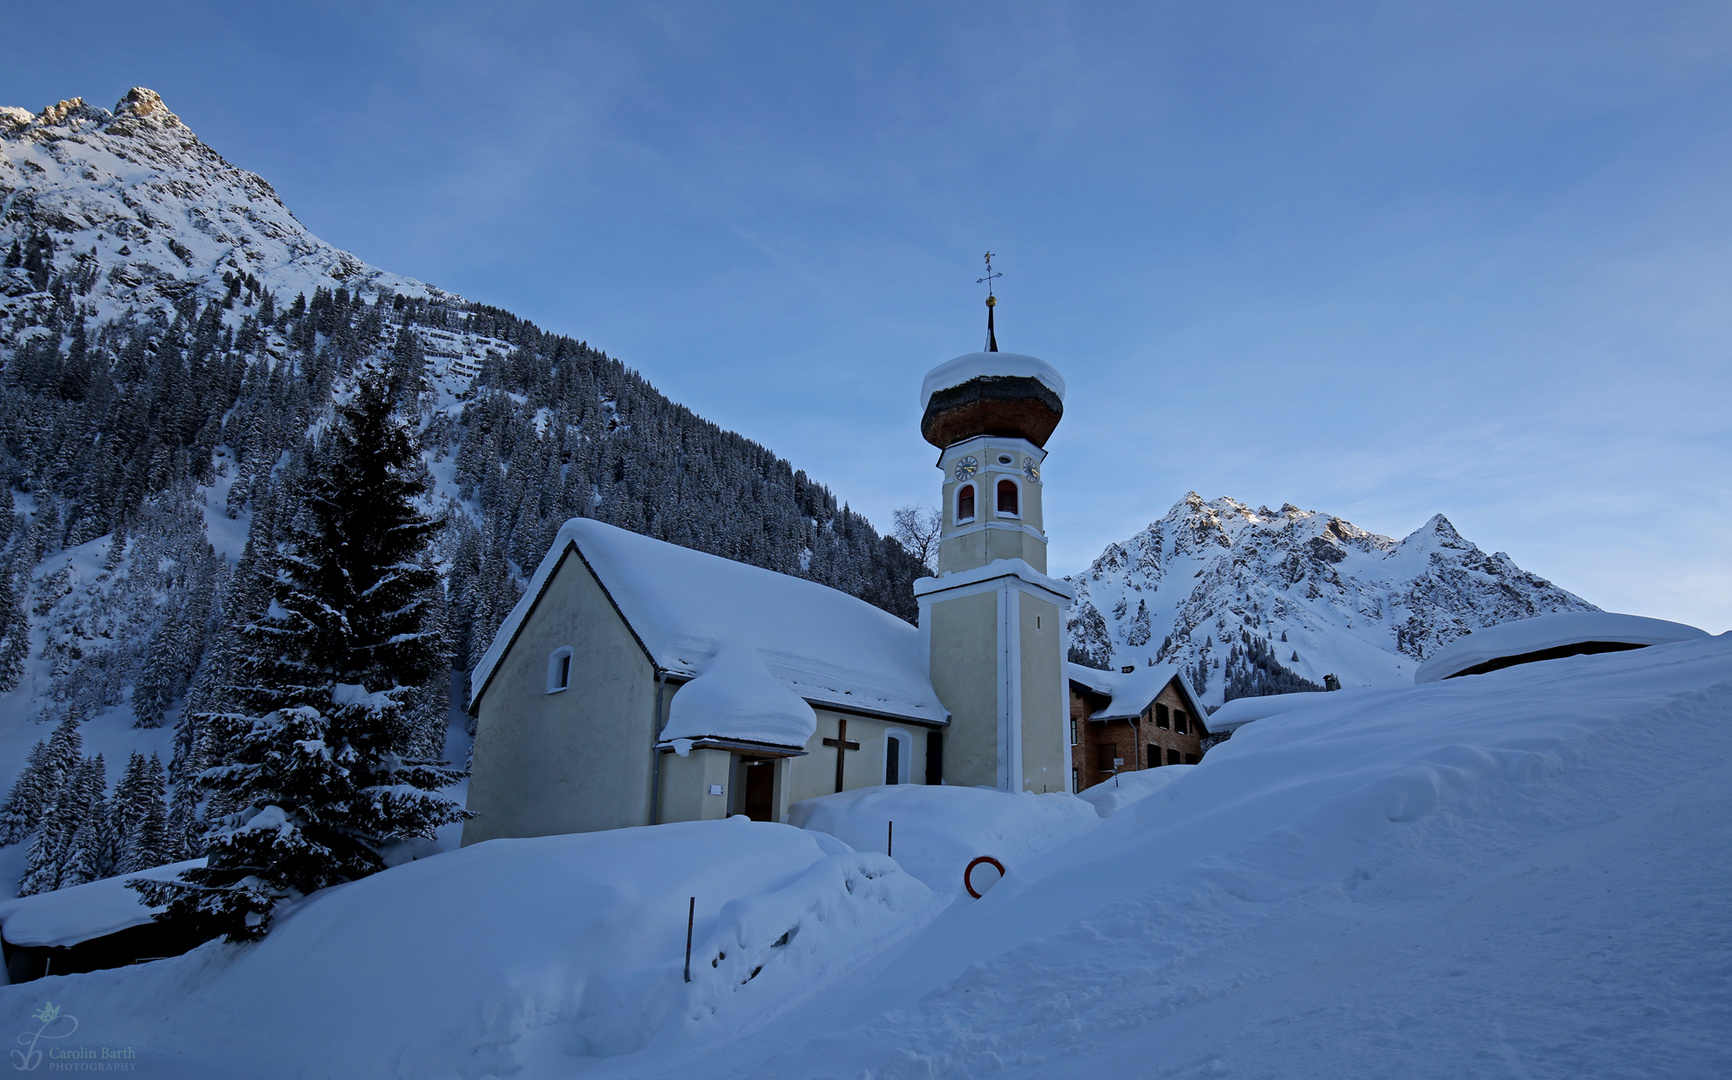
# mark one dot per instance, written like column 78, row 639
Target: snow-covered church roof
column 978, row 365
column 1558, row 634
column 825, row 646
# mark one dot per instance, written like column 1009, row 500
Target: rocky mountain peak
column 132, row 212
column 1254, row 601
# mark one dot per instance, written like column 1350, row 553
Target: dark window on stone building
column 1154, row 756
column 1179, row 722
column 1160, row 715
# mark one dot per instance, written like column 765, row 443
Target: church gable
column 565, row 718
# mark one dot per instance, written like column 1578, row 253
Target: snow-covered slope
column 1247, row 599
column 1515, row 874
column 146, row 214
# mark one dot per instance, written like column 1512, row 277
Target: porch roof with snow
column 1131, row 692
column 830, row 649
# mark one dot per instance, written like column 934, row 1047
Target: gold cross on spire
column 991, row 302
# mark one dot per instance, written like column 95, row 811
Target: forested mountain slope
column 171, row 342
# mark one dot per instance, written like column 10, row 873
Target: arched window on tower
column 965, row 503
column 1007, row 498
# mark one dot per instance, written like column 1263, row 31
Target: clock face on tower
column 966, row 467
column 1030, row 469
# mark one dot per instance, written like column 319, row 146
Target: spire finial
column 991, row 302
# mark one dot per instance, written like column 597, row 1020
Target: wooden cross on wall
column 842, row 745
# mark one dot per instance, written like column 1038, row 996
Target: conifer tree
column 316, row 759
column 48, row 768
column 15, row 628
column 59, row 852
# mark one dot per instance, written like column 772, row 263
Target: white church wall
column 576, row 760
column 696, row 787
column 964, row 635
column 1045, row 698
column 815, row 773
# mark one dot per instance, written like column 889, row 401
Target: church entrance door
column 758, row 788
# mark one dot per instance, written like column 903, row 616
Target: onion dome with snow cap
column 991, row 393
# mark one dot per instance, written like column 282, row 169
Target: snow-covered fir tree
column 317, row 766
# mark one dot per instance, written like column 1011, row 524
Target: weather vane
column 991, row 302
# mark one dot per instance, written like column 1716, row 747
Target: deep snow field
column 1523, row 874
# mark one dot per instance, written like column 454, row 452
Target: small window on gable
column 965, row 503
column 559, row 670
column 1007, row 497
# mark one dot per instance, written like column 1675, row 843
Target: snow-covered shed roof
column 1133, row 691
column 1547, row 637
column 82, row 912
column 978, row 365
column 825, row 646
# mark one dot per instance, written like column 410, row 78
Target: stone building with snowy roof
column 639, row 682
column 1131, row 719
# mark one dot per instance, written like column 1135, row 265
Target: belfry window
column 1007, row 497
column 965, row 503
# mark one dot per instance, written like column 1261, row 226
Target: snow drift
column 511, row 953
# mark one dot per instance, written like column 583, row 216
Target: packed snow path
column 1524, row 874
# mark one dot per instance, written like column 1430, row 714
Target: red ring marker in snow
column 969, row 873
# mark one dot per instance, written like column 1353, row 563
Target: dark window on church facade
column 965, row 503
column 935, row 757
column 1007, row 497
column 893, row 761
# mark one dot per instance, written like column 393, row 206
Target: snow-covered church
column 638, row 682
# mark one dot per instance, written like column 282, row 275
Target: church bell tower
column 992, row 619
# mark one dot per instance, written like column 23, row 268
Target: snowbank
column 1520, row 875
column 1544, row 632
column 515, row 954
column 939, row 830
column 68, row 916
column 1127, row 788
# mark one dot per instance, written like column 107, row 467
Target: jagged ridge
column 1264, row 601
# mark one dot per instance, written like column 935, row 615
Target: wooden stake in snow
column 890, row 838
column 691, row 914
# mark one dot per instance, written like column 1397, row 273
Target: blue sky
column 1382, row 260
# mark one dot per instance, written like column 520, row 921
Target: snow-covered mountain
column 141, row 214
column 1261, row 601
column 172, row 341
